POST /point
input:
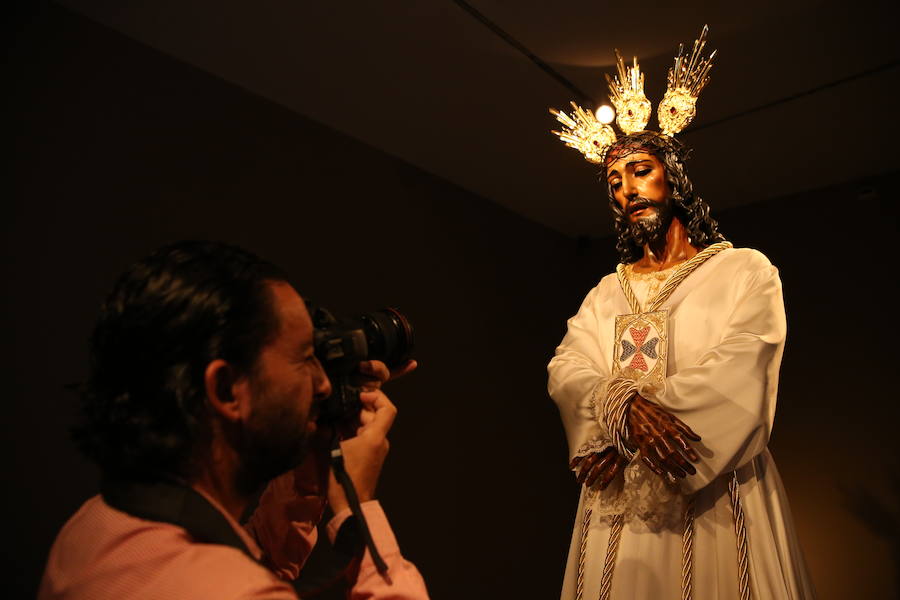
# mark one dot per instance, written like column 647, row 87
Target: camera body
column 341, row 344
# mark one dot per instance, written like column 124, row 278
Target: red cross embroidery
column 639, row 349
column 639, row 335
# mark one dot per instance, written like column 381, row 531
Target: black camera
column 341, row 344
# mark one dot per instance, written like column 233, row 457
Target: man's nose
column 323, row 384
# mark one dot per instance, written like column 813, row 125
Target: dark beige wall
column 836, row 440
column 119, row 149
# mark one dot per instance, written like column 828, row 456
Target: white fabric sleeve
column 577, row 379
column 728, row 397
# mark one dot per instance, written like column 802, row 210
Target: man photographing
column 204, row 388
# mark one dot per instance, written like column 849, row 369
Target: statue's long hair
column 687, row 207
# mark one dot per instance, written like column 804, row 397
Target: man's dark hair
column 687, row 206
column 167, row 317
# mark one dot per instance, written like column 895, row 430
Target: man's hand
column 661, row 438
column 600, row 466
column 364, row 453
column 373, row 373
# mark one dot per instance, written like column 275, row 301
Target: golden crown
column 687, row 78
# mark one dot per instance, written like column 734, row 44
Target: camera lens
column 389, row 336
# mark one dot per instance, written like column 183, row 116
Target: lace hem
column 650, row 275
column 647, row 501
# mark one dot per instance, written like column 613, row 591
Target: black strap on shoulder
column 170, row 502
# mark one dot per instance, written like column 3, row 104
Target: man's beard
column 653, row 227
column 272, row 441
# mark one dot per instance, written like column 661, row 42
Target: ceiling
column 800, row 97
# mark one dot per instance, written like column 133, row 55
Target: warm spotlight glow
column 605, row 114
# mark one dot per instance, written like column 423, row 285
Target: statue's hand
column 601, row 466
column 661, row 438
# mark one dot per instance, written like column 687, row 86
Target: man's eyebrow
column 628, row 164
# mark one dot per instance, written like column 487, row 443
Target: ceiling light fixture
column 605, row 113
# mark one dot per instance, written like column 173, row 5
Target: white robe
column 726, row 338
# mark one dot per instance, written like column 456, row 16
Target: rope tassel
column 609, row 565
column 740, row 530
column 585, row 524
column 687, row 553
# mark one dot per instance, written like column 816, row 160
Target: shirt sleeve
column 402, row 580
column 284, row 523
column 728, row 397
column 577, row 376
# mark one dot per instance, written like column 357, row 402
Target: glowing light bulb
column 605, row 114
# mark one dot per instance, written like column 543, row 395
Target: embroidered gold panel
column 642, row 344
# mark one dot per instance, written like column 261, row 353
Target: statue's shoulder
column 609, row 278
column 607, row 285
column 744, row 258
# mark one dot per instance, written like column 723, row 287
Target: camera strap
column 171, row 502
column 340, row 473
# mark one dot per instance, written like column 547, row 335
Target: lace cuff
column 647, row 502
column 598, row 444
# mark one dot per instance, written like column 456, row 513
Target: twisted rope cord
column 684, row 270
column 612, row 548
column 582, row 552
column 740, row 530
column 680, row 274
column 626, row 289
column 687, row 552
column 615, row 413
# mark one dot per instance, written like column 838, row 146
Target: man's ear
column 224, row 391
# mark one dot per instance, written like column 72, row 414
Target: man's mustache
column 640, row 202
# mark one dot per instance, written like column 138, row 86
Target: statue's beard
column 652, row 227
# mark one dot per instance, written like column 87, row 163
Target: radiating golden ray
column 686, row 80
column 584, row 133
column 626, row 92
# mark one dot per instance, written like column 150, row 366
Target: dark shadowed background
column 119, row 148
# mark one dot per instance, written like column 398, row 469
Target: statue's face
column 638, row 182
